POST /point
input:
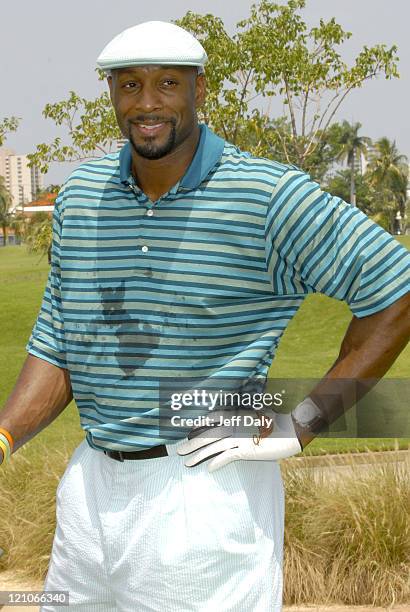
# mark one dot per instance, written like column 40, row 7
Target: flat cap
column 153, row 42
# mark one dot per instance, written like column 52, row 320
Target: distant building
column 45, row 203
column 361, row 162
column 22, row 181
column 371, row 154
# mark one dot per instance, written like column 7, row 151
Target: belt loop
column 120, row 456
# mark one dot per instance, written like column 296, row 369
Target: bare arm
column 41, row 393
column 368, row 350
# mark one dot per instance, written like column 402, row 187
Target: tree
column 43, row 191
column 91, row 126
column 35, row 232
column 38, row 233
column 351, row 145
column 340, row 185
column 53, row 188
column 8, row 124
column 399, row 187
column 387, row 163
column 5, row 213
column 274, row 53
column 267, row 139
column 388, row 173
column 382, row 190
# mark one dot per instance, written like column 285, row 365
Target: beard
column 149, row 149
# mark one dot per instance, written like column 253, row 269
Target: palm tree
column 352, row 144
column 399, row 184
column 388, row 172
column 5, row 213
column 388, row 163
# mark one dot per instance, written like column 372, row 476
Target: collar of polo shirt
column 207, row 155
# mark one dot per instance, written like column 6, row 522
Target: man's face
column 156, row 106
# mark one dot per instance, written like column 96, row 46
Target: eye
column 129, row 84
column 169, row 82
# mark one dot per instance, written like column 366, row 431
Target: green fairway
column 22, row 278
column 308, row 349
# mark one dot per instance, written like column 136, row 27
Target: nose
column 148, row 99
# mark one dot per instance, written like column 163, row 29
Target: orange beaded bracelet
column 8, row 436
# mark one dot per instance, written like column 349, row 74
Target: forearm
column 41, row 393
column 369, row 348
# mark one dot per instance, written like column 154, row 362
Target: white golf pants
column 155, row 536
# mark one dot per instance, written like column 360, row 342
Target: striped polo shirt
column 199, row 284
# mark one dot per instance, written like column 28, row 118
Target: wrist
column 308, row 421
column 6, row 445
column 304, row 436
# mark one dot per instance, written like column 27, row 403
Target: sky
column 48, row 48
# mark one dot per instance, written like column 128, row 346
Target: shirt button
column 150, row 212
column 144, row 249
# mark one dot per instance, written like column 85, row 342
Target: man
column 182, row 258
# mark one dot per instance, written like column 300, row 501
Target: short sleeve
column 316, row 242
column 47, row 338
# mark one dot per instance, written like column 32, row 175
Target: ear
column 200, row 90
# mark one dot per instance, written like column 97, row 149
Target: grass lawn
column 306, row 351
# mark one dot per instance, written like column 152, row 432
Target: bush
column 38, row 233
column 382, row 219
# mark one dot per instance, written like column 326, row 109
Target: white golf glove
column 278, row 441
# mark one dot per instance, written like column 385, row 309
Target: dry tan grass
column 347, row 540
column 27, row 509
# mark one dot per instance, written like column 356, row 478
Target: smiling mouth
column 148, row 129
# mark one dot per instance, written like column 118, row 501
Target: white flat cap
column 153, row 42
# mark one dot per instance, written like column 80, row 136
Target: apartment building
column 22, row 181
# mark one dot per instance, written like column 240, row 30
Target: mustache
column 152, row 119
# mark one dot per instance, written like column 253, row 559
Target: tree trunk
column 392, row 218
column 4, row 229
column 352, row 180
